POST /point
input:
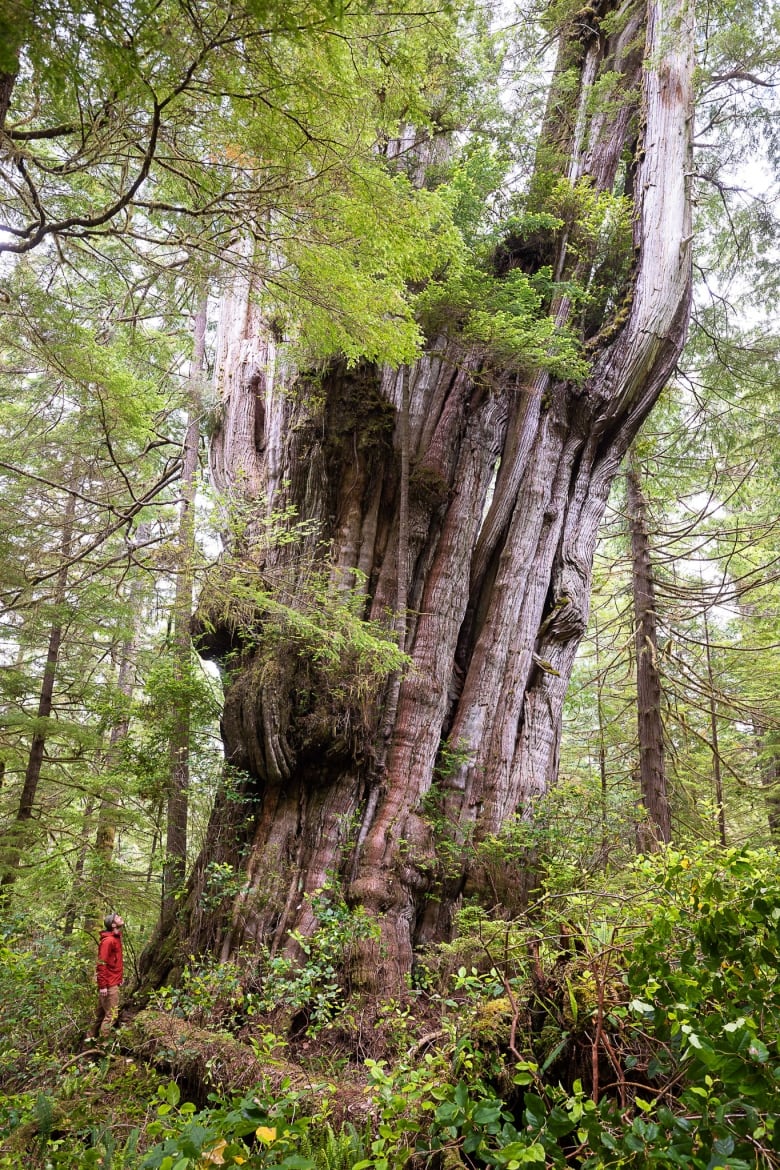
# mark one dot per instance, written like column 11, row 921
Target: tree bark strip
column 716, row 770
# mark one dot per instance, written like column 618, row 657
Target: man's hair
column 108, row 921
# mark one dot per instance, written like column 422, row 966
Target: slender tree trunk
column 77, row 885
column 716, row 771
column 496, row 594
column 16, row 21
column 7, row 82
column 35, row 759
column 156, row 839
column 176, row 838
column 769, row 771
column 652, row 771
column 105, row 833
column 602, row 747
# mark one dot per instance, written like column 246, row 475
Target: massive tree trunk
column 465, row 496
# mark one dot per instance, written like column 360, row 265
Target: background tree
column 652, row 772
column 707, row 459
column 88, row 415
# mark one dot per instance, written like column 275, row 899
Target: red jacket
column 109, row 960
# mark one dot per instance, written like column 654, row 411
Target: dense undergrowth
column 626, row 1019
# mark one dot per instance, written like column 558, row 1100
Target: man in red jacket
column 109, row 974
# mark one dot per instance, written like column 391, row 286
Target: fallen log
column 203, row 1062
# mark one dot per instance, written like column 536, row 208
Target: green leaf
column 557, row 1050
column 534, row 1110
column 758, row 1051
column 487, row 1112
column 640, row 1007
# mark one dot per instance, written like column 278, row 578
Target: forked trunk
column 468, row 498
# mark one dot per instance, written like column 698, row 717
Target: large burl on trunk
column 463, row 496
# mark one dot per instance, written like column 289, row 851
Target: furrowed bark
column 538, row 608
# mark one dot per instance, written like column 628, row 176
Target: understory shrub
column 47, row 1001
column 226, row 995
column 630, row 1020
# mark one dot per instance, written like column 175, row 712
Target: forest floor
column 633, row 1021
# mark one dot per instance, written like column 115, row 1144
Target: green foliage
column 329, row 1149
column 212, row 993
column 146, row 752
column 273, row 119
column 355, row 301
column 311, row 618
column 46, row 1002
column 634, row 1019
column 209, row 993
column 249, row 1132
column 711, row 494
column 315, row 984
column 299, row 610
column 57, row 1110
column 220, row 881
column 567, row 832
column 94, row 1117
column 471, row 186
column 560, row 840
column 421, row 1112
column 705, row 980
column 668, row 991
column 505, row 317
column 506, row 312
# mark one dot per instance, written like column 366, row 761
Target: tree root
column 211, row 1061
